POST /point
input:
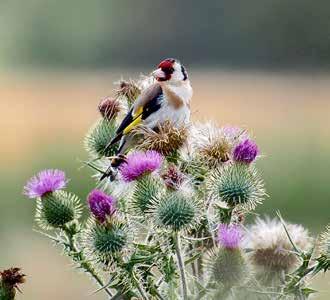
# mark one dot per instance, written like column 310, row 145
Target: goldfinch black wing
column 147, row 103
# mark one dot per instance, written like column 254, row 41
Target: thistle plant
column 170, row 224
column 9, row 283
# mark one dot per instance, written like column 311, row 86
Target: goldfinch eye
column 168, row 70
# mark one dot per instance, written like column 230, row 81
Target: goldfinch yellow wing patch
column 137, row 118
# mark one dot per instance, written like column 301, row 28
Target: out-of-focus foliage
column 101, row 33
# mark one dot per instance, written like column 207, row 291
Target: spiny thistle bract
column 99, row 136
column 145, row 191
column 324, row 245
column 54, row 210
column 236, row 184
column 176, row 211
column 227, row 267
column 153, row 230
column 325, row 242
column 103, row 241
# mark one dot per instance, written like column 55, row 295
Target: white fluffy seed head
column 271, row 247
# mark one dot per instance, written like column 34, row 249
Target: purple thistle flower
column 173, row 177
column 140, row 163
column 246, row 151
column 44, row 182
column 101, row 205
column 229, row 236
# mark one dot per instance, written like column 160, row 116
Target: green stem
column 177, row 245
column 139, row 287
column 79, row 257
column 193, row 266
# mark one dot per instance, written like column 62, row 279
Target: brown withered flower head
column 109, row 108
column 165, row 139
column 173, row 177
column 217, row 152
column 12, row 277
column 215, row 144
column 128, row 89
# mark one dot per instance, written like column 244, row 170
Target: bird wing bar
column 127, row 122
column 148, row 102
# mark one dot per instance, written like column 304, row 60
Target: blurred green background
column 259, row 64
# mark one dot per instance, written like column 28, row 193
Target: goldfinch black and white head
column 170, row 70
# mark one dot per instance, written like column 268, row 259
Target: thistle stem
column 79, row 257
column 139, row 287
column 177, row 245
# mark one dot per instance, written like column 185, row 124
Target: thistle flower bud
column 229, row 236
column 57, row 209
column 228, row 267
column 102, row 241
column 129, row 90
column 9, row 281
column 98, row 137
column 101, row 205
column 271, row 247
column 176, row 211
column 139, row 164
column 237, row 185
column 109, row 108
column 167, row 139
column 245, row 152
column 145, row 192
column 173, row 177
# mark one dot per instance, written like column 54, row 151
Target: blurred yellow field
column 37, row 106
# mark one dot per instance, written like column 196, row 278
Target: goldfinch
column 168, row 99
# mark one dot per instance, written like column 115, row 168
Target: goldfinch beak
column 159, row 74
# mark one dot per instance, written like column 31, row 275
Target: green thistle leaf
column 99, row 136
column 54, row 210
column 237, row 184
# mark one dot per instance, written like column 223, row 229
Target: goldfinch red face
column 170, row 70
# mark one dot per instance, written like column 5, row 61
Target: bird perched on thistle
column 168, row 99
